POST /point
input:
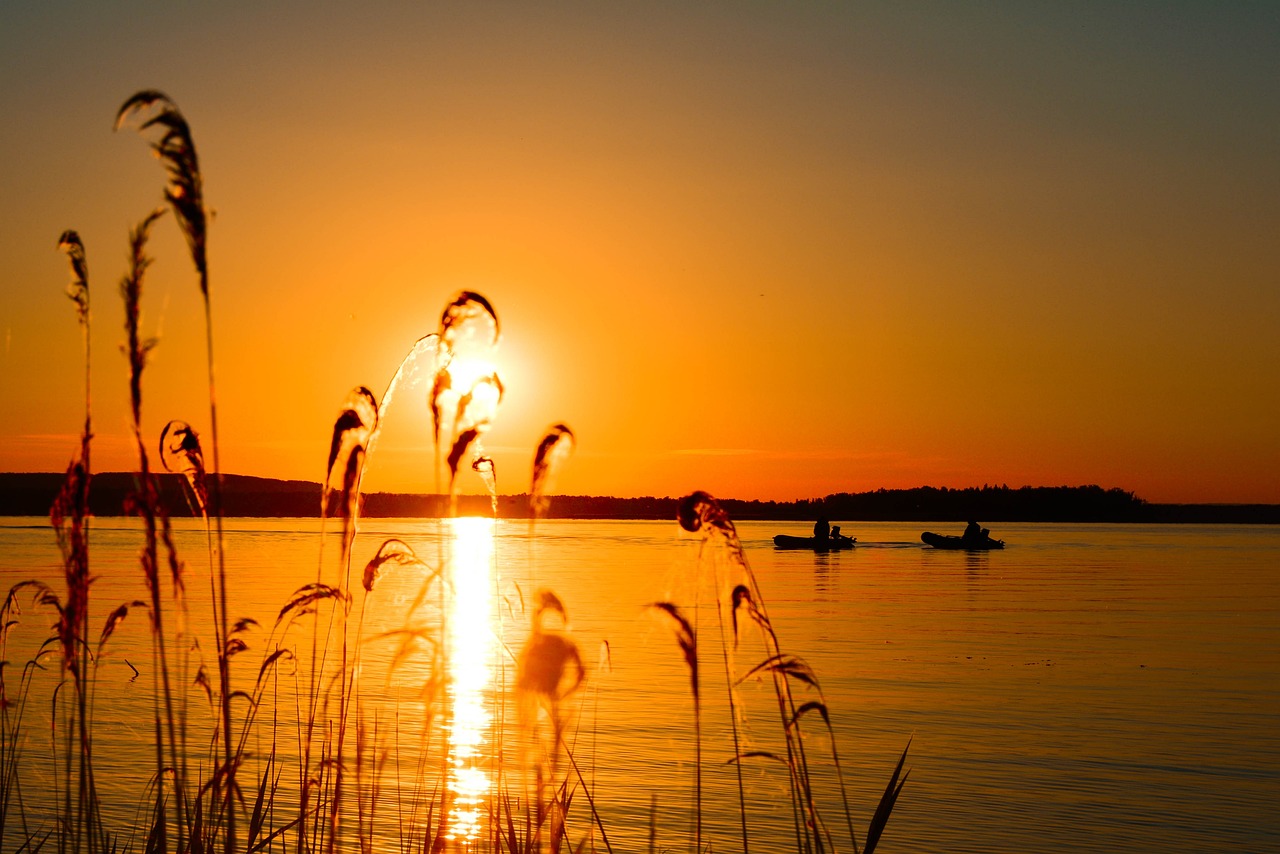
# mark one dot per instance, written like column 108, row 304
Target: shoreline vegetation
column 476, row 749
column 32, row 494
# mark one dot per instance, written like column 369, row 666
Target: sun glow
column 472, row 643
column 467, row 372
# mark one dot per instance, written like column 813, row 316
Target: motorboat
column 945, row 541
column 786, row 541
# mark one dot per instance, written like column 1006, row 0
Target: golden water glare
column 472, row 642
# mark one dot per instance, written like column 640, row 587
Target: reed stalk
column 687, row 638
column 184, row 192
column 70, row 520
column 146, row 503
column 731, row 692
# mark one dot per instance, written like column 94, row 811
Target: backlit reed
column 240, row 789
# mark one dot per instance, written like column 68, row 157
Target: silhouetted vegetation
column 220, row 778
column 33, row 494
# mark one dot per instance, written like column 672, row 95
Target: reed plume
column 180, row 452
column 467, row 320
column 465, row 391
column 687, row 638
column 174, row 147
column 352, row 431
column 484, row 466
column 552, row 451
column 473, row 416
column 78, row 292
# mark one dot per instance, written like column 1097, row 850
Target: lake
column 1091, row 687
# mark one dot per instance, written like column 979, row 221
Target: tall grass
column 299, row 756
column 700, row 513
column 69, row 517
column 175, row 149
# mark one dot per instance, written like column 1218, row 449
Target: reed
column 700, row 513
column 184, row 192
column 298, row 756
column 69, row 517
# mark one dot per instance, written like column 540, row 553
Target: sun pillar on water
column 472, row 645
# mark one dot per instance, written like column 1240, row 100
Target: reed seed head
column 78, row 289
column 176, row 150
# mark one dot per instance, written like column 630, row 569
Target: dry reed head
column 352, row 430
column 545, row 602
column 136, row 348
column 465, row 391
column 699, row 512
column 787, row 666
column 554, row 448
column 441, row 384
column 484, row 466
column 741, row 598
column 307, row 597
column 686, row 637
column 180, row 452
column 392, row 552
column 78, row 289
column 176, row 150
column 114, row 619
column 474, row 414
column 235, row 637
column 468, row 320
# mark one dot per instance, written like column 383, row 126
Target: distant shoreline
column 32, row 494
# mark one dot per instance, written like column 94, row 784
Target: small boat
column 786, row 541
column 944, row 541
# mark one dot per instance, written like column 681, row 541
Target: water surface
column 1091, row 687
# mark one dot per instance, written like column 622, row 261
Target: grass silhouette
column 296, row 755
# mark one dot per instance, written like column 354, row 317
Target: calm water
column 1090, row 688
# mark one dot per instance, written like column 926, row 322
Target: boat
column 786, row 541
column 945, row 541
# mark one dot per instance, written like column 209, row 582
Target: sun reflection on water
column 472, row 642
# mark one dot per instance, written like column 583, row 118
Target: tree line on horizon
column 23, row 494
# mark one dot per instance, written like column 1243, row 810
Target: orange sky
column 765, row 251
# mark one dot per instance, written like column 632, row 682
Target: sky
column 770, row 251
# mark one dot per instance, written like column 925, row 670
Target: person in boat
column 822, row 529
column 972, row 532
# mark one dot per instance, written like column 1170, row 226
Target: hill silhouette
column 32, row 494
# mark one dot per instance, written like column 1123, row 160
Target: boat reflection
column 472, row 645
